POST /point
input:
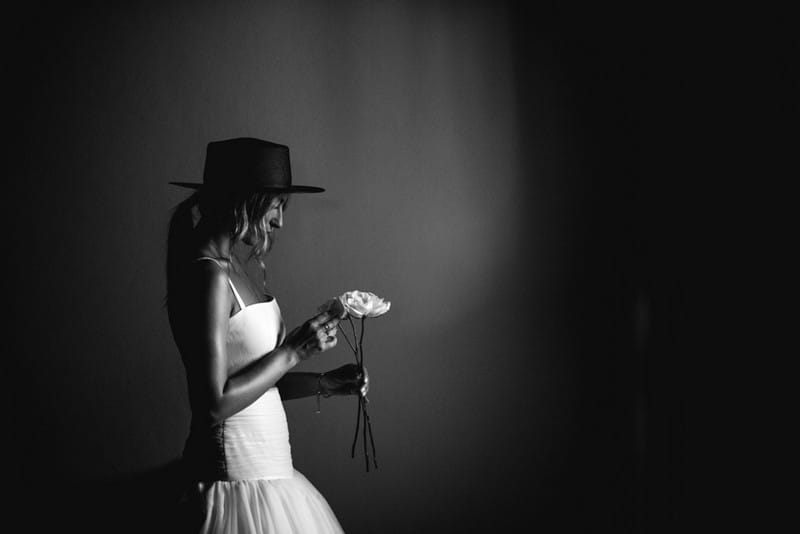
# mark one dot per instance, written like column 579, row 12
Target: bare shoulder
column 201, row 311
column 210, row 264
column 211, row 275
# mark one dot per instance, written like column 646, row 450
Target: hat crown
column 246, row 163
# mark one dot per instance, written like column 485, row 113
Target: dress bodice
column 254, row 442
column 253, row 331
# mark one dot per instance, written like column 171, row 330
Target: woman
column 237, row 353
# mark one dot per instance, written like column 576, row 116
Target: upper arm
column 207, row 328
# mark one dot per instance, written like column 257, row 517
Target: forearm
column 246, row 386
column 299, row 385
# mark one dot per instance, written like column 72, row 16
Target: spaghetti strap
column 239, row 300
column 236, row 294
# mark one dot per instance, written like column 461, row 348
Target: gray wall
column 467, row 150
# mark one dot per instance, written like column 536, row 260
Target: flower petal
column 364, row 303
column 379, row 308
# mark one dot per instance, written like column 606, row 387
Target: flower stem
column 361, row 341
column 358, row 350
column 355, row 336
column 348, row 342
column 371, row 439
column 355, row 438
column 364, row 431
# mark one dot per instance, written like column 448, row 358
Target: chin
column 250, row 242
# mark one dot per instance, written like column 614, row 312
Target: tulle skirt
column 268, row 506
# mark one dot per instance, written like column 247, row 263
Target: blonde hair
column 243, row 213
column 249, row 215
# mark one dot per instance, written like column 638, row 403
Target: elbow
column 215, row 417
column 216, row 412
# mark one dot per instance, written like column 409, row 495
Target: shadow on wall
column 150, row 501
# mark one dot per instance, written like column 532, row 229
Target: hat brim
column 276, row 188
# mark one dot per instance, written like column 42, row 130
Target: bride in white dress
column 237, row 353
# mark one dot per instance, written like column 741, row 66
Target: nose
column 277, row 222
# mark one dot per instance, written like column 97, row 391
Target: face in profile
column 272, row 221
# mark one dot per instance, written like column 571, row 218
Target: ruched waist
column 251, row 444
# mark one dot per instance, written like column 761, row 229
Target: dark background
column 509, row 177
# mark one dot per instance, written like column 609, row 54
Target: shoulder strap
column 239, row 300
column 236, row 294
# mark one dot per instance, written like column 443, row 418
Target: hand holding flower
column 316, row 335
column 346, row 380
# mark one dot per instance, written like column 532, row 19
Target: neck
column 214, row 241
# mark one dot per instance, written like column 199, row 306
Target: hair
column 241, row 213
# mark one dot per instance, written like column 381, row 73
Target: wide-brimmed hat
column 247, row 164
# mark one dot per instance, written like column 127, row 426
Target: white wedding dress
column 250, row 484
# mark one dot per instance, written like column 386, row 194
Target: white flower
column 364, row 304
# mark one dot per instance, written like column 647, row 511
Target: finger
column 322, row 336
column 365, row 386
column 331, row 342
column 318, row 320
column 327, row 327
